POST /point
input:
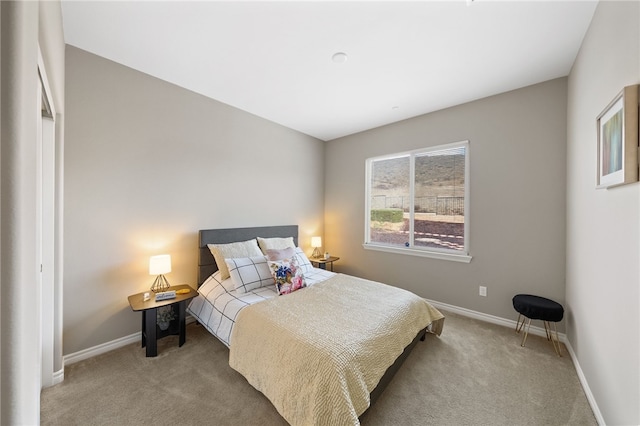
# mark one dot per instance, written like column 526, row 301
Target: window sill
column 421, row 253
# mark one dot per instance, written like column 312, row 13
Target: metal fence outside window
column 439, row 205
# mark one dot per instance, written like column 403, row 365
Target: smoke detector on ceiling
column 339, row 57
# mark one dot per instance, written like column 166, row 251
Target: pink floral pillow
column 274, row 254
column 288, row 275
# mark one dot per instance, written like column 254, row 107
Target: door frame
column 47, row 260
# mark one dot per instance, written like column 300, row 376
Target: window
column 418, row 202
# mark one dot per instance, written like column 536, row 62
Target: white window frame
column 431, row 252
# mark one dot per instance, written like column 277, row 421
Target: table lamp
column 316, row 243
column 160, row 265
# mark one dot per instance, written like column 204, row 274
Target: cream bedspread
column 319, row 352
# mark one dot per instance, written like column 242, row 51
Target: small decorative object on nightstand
column 164, row 317
column 316, row 243
column 322, row 263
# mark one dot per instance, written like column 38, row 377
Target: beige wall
column 19, row 355
column 25, row 26
column 603, row 232
column 517, row 153
column 148, row 164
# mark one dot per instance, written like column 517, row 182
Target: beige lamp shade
column 159, row 265
column 316, row 242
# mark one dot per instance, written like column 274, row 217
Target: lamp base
column 160, row 284
column 316, row 253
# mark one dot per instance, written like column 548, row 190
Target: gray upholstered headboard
column 206, row 262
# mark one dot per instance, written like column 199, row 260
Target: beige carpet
column 474, row 374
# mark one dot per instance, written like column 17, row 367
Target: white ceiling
column 273, row 59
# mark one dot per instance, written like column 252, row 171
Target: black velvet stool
column 535, row 307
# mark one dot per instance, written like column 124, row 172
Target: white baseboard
column 536, row 331
column 101, row 349
column 107, row 347
column 585, row 386
column 58, row 376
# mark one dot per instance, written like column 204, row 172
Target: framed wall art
column 618, row 140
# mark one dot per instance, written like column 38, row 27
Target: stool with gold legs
column 535, row 307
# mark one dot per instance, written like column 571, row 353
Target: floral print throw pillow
column 288, row 275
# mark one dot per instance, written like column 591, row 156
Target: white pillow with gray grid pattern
column 249, row 273
column 303, row 261
column 221, row 252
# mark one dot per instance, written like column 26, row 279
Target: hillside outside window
column 417, row 202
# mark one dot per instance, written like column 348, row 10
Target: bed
column 322, row 354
